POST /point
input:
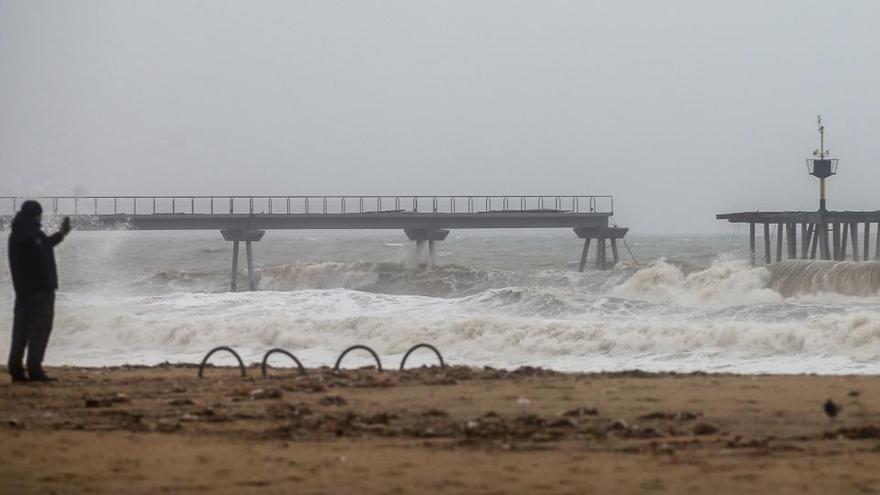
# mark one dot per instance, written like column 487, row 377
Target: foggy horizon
column 679, row 110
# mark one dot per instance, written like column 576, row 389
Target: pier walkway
column 424, row 219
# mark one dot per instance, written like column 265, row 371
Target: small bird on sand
column 832, row 409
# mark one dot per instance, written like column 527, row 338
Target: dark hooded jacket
column 32, row 257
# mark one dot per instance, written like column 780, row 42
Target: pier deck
column 424, row 219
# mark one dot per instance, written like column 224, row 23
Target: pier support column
column 838, row 244
column 752, row 243
column 601, row 262
column 426, row 236
column 420, row 250
column 877, row 244
column 791, row 233
column 823, row 241
column 767, row 258
column 234, row 276
column 854, row 232
column 247, row 236
column 583, row 262
column 867, row 244
column 814, row 240
column 601, row 235
column 615, row 258
column 779, row 242
column 252, row 281
column 805, row 240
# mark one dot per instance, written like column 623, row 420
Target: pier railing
column 296, row 205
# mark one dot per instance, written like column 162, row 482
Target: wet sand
column 459, row 430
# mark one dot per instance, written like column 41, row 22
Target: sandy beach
column 455, row 430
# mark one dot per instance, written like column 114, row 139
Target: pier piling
column 877, row 244
column 601, row 235
column 614, row 255
column 778, row 242
column 752, row 243
column 854, row 232
column 252, row 281
column 583, row 262
column 423, row 237
column 234, row 276
column 248, row 237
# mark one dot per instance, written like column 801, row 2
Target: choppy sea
column 497, row 298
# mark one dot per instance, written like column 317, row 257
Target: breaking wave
column 405, row 278
column 791, row 278
column 725, row 282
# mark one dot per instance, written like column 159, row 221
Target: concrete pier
column 425, row 220
column 848, row 231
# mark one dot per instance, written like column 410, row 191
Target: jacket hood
column 21, row 223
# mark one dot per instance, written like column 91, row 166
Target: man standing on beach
column 35, row 278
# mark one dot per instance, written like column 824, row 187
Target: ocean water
column 497, row 298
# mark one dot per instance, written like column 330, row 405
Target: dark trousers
column 31, row 328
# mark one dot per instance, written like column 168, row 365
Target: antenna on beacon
column 821, row 166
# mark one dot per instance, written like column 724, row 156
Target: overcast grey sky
column 681, row 109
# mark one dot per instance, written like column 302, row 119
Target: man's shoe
column 41, row 377
column 20, row 378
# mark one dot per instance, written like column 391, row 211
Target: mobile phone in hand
column 65, row 225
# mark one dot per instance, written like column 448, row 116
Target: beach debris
column 168, row 425
column 705, row 429
column 617, row 425
column 333, row 400
column 864, row 432
column 107, row 400
column 636, row 431
column 98, row 402
column 562, row 423
column 581, row 412
column 382, row 418
column 854, row 393
column 280, row 411
column 523, row 401
column 662, row 448
column 532, row 371
column 13, row 423
column 832, row 409
column 670, row 416
column 265, row 393
column 181, row 402
column 434, row 413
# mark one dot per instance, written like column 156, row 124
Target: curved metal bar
column 222, row 348
column 371, row 351
column 417, row 346
column 277, row 350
